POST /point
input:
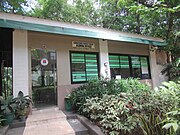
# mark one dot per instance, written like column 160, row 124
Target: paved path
column 49, row 121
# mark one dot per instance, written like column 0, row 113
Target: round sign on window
column 44, row 62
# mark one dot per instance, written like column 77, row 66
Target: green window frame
column 125, row 66
column 84, row 66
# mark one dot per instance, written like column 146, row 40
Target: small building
column 47, row 59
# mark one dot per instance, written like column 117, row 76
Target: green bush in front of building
column 97, row 88
column 123, row 106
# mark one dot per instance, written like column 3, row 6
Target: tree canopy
column 13, row 6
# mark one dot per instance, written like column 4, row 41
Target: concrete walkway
column 49, row 121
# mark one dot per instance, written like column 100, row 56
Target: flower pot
column 68, row 106
column 22, row 118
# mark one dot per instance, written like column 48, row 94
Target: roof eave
column 76, row 32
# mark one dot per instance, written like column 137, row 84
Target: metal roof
column 43, row 25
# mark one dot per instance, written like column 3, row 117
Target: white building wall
column 20, row 62
column 104, row 59
column 156, row 76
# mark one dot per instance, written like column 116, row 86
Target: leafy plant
column 113, row 113
column 167, row 97
column 94, row 88
column 1, row 120
column 7, row 105
column 152, row 125
column 97, row 88
column 173, row 121
column 113, row 105
column 22, row 104
column 8, row 109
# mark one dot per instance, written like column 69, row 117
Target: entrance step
column 48, row 121
column 78, row 127
column 45, row 115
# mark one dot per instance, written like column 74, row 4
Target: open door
column 44, row 80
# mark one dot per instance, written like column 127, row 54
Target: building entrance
column 6, row 62
column 44, row 80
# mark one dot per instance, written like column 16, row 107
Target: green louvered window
column 119, row 66
column 144, row 68
column 84, row 67
column 124, row 66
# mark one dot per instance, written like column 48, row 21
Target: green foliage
column 13, row 6
column 173, row 69
column 173, row 121
column 80, row 11
column 94, row 88
column 1, row 120
column 113, row 113
column 7, row 81
column 7, row 105
column 167, row 97
column 18, row 106
column 113, row 105
column 152, row 125
column 22, row 104
column 97, row 88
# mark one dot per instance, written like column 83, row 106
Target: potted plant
column 22, row 106
column 8, row 109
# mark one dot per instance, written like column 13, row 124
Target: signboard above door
column 83, row 45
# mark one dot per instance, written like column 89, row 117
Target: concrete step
column 70, row 115
column 78, row 127
column 45, row 121
column 45, row 115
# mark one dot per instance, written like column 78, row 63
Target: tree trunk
column 138, row 27
column 168, row 38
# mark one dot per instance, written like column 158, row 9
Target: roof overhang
column 79, row 31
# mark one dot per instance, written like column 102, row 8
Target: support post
column 104, row 59
column 156, row 75
column 20, row 62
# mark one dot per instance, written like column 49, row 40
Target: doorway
column 6, row 62
column 44, row 80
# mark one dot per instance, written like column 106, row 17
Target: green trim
column 74, row 32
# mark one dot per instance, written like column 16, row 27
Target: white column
column 104, row 59
column 30, row 73
column 20, row 62
column 156, row 76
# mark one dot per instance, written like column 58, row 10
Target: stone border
column 92, row 128
column 17, row 124
column 4, row 130
column 14, row 124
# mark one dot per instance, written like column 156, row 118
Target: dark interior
column 5, row 56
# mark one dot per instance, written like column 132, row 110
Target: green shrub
column 168, row 96
column 173, row 122
column 93, row 88
column 97, row 88
column 113, row 113
column 115, row 104
column 152, row 125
